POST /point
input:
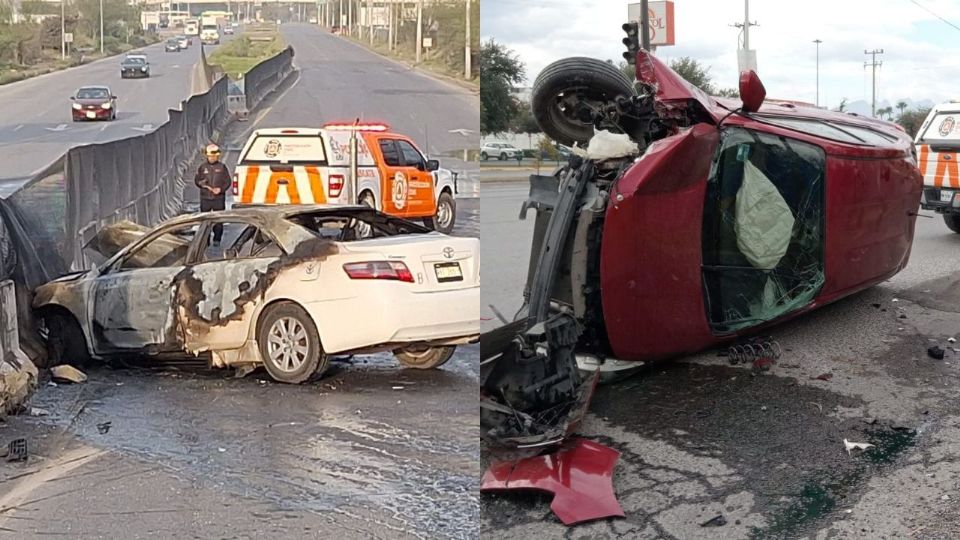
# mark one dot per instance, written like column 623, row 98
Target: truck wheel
column 566, row 88
column 290, row 345
column 422, row 357
column 953, row 222
column 446, row 216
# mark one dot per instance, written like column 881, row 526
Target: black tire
column 585, row 79
column 484, row 156
column 450, row 215
column 272, row 339
column 503, row 156
column 953, row 222
column 66, row 343
column 424, row 357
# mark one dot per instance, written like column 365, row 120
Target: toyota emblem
column 448, row 252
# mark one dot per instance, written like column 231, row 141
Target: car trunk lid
column 437, row 262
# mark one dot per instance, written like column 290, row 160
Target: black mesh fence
column 265, row 76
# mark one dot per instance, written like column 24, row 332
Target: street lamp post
column 63, row 30
column 818, row 42
column 101, row 27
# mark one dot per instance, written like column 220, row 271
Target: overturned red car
column 688, row 222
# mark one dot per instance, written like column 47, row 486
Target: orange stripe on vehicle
column 947, row 170
column 250, row 184
column 316, row 186
column 274, row 187
column 924, row 157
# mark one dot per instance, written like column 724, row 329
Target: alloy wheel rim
column 287, row 344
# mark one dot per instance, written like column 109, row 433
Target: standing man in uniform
column 213, row 179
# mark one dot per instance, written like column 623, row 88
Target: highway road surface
column 35, row 123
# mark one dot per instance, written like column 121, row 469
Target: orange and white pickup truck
column 345, row 164
column 938, row 148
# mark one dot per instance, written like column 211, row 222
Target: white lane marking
column 60, row 127
column 104, row 128
column 18, row 128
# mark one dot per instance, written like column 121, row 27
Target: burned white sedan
column 287, row 287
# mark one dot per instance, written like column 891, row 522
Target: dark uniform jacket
column 212, row 175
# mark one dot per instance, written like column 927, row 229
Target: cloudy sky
column 921, row 57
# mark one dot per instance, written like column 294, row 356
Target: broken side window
column 763, row 233
column 240, row 241
column 167, row 250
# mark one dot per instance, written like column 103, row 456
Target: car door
column 393, row 189
column 224, row 285
column 133, row 298
column 421, row 201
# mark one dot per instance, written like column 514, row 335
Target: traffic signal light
column 632, row 41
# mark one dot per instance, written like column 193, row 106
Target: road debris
column 397, row 387
column 104, row 427
column 952, row 340
column 718, row 521
column 16, row 450
column 935, row 352
column 37, row 411
column 823, row 377
column 66, row 373
column 580, row 476
column 855, row 446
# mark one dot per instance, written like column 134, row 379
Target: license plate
column 946, row 196
column 91, row 114
column 448, row 272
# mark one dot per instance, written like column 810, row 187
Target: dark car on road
column 94, row 103
column 134, row 66
column 173, row 45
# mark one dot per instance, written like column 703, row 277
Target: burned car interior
column 355, row 225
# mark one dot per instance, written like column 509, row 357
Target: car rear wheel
column 423, row 357
column 566, row 92
column 484, row 156
column 503, row 156
column 290, row 345
column 66, row 343
column 953, row 222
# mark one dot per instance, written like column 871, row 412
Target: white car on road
column 288, row 287
column 501, row 151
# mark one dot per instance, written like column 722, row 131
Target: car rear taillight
column 335, row 184
column 392, row 270
column 236, row 185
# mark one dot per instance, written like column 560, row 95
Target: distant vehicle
column 501, row 151
column 310, row 165
column 228, row 30
column 94, row 103
column 937, row 143
column 192, row 27
column 172, row 45
column 292, row 287
column 313, row 20
column 185, row 41
column 210, row 34
column 134, row 66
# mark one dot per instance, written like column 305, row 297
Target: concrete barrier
column 18, row 375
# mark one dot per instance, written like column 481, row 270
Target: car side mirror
column 113, row 97
column 752, row 92
column 433, row 165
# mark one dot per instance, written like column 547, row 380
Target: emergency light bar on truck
column 357, row 127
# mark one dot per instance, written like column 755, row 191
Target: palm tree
column 902, row 105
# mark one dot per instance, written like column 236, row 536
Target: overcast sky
column 921, row 57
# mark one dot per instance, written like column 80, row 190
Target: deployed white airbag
column 763, row 220
column 608, row 145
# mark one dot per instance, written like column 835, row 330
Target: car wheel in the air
column 423, row 357
column 290, row 345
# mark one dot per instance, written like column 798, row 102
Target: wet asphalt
column 700, row 437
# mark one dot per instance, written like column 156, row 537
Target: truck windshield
column 286, row 149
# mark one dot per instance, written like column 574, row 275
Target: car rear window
column 832, row 130
column 286, row 149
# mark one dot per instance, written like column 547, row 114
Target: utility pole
column 370, row 19
column 873, row 64
column 101, row 27
column 644, row 25
column 746, row 59
column 350, row 16
column 466, row 53
column 390, row 30
column 818, row 42
column 746, row 25
column 419, row 29
column 63, row 30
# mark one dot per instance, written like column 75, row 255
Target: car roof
column 94, row 87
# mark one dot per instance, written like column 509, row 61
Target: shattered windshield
column 763, row 229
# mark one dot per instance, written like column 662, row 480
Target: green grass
column 239, row 55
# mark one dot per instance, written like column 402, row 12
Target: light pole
column 101, row 27
column 818, row 42
column 63, row 30
column 466, row 56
